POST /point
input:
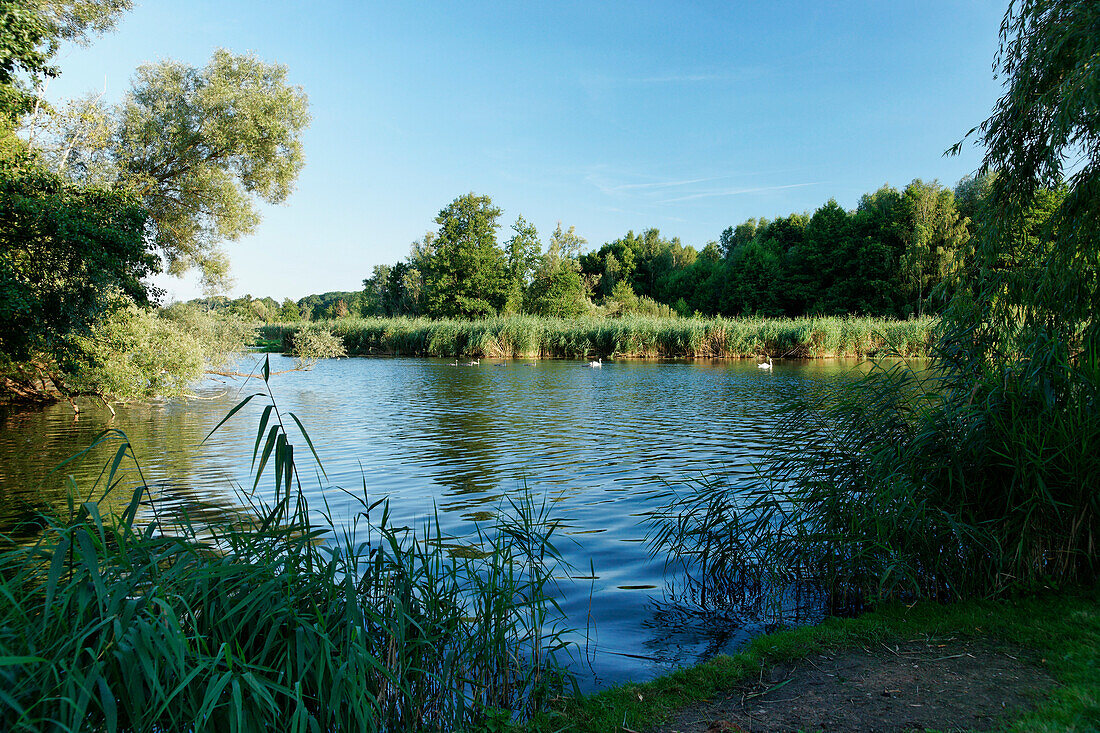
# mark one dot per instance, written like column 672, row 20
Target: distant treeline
column 630, row 336
column 886, row 258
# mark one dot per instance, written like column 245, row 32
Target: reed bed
column 531, row 337
column 910, row 483
column 111, row 624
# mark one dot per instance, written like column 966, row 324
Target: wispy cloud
column 736, row 192
column 665, row 184
column 611, row 184
column 654, row 194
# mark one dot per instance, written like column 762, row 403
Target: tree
column 759, row 268
column 67, row 253
column 31, row 35
column 881, row 233
column 936, row 236
column 374, row 291
column 739, row 236
column 197, row 146
column 288, row 311
column 139, row 353
column 1018, row 353
column 523, row 251
column 1041, row 296
column 25, row 50
column 623, row 298
column 990, row 457
column 821, row 257
column 465, row 274
column 412, row 289
column 614, row 261
column 557, row 288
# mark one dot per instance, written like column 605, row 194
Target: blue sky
column 688, row 117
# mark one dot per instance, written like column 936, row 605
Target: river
column 603, row 447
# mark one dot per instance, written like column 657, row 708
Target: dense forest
column 892, row 256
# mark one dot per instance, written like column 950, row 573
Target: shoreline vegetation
column 973, row 483
column 1056, row 632
column 533, row 337
column 111, row 620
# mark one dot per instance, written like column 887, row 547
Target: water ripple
column 604, row 447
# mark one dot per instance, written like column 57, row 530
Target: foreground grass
column 1061, row 630
column 632, row 336
column 115, row 623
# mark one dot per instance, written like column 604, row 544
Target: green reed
column 115, row 624
column 629, row 336
column 909, row 483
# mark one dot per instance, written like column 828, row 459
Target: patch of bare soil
column 948, row 685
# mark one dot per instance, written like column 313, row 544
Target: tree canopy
column 67, row 252
column 197, row 146
column 1039, row 258
column 896, row 255
column 466, row 273
column 30, row 34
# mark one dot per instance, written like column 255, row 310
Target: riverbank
column 1038, row 654
column 529, row 337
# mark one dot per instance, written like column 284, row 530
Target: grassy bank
column 1060, row 632
column 531, row 337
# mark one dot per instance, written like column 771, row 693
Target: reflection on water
column 603, row 446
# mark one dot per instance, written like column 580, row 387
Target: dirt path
column 944, row 685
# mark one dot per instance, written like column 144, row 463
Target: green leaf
column 16, row 661
column 230, row 414
column 271, row 437
column 309, row 442
column 109, row 706
column 260, row 432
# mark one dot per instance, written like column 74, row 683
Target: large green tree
column 198, row 146
column 66, row 253
column 935, row 240
column 978, row 475
column 1046, row 303
column 465, row 274
column 523, row 252
column 93, row 198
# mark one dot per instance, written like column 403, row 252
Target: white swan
column 475, row 362
column 596, row 364
column 765, row 365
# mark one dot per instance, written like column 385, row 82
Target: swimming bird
column 596, row 364
column 453, row 363
column 475, row 362
column 767, row 364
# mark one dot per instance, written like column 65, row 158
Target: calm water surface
column 602, row 446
